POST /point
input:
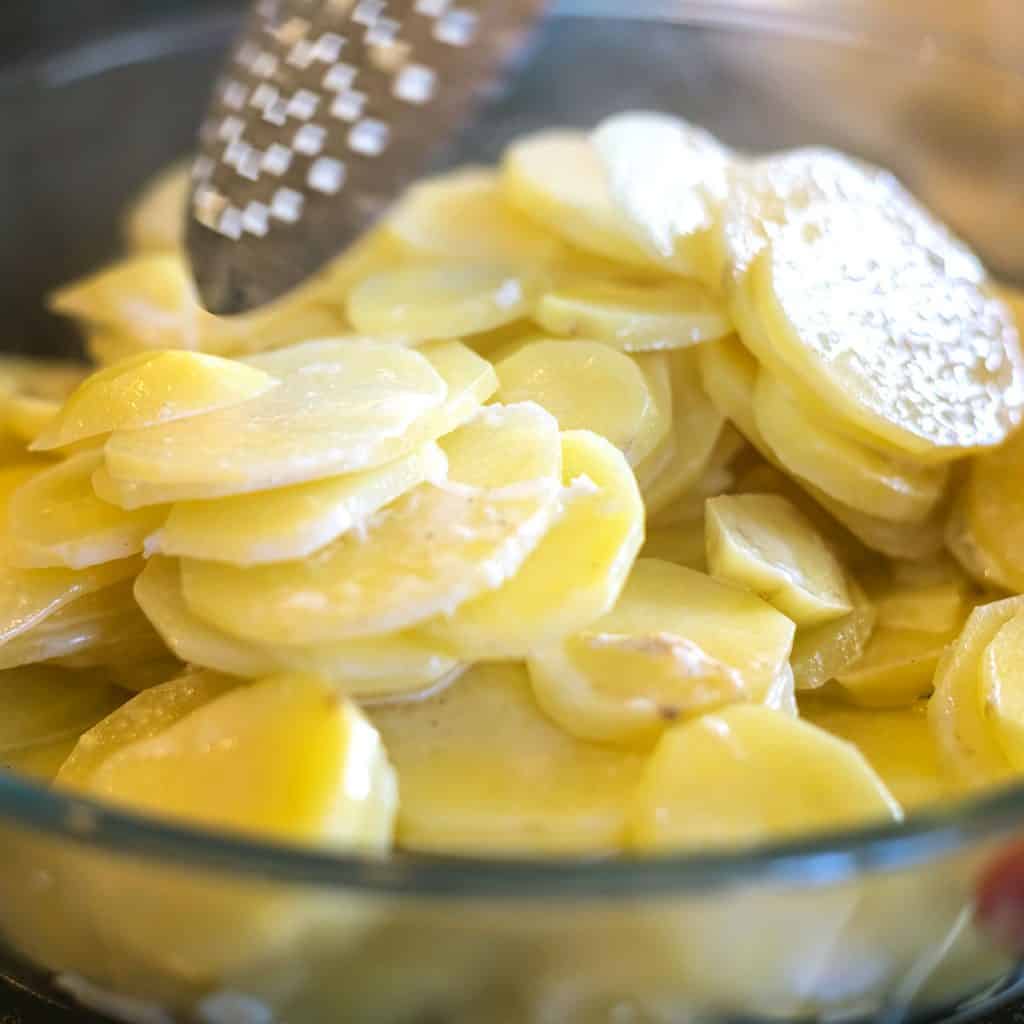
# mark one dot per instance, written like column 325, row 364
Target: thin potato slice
column 845, row 469
column 292, row 522
column 763, row 543
column 576, row 572
column 729, row 376
column 328, row 782
column 557, row 179
column 969, row 554
column 380, row 667
column 470, row 381
column 634, row 317
column 676, row 644
column 869, row 318
column 696, row 427
column 42, row 705
column 155, row 221
column 747, row 774
column 424, row 555
column 435, row 302
column 586, row 386
column 339, row 406
column 27, row 417
column 924, row 607
column 821, row 652
column 897, row 743
column 1002, row 687
column 55, row 519
column 482, row 771
column 462, row 215
column 966, row 735
column 669, row 179
column 681, row 543
column 150, row 388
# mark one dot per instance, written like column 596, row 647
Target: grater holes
column 326, row 175
column 348, row 105
column 309, row 139
column 415, row 83
column 287, row 205
column 277, row 159
column 369, row 137
column 367, row 12
column 457, row 27
column 339, row 77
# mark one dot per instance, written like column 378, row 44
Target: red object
column 999, row 903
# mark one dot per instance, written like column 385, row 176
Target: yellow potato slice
column 634, row 317
column 339, row 406
column 696, row 428
column 155, row 220
column 482, row 771
column 963, row 545
column 993, row 512
column 728, row 374
column 897, row 743
column 439, row 301
column 576, row 572
column 848, row 471
column 927, row 607
column 764, row 543
column 292, row 522
column 586, row 386
column 463, row 216
column 328, row 781
column 676, row 644
column 41, row 705
column 152, row 388
column 379, row 667
column 680, row 543
column 435, row 548
column 469, row 380
column 557, row 179
column 55, row 519
column 821, row 652
column 868, row 317
column 767, row 194
column 657, row 370
column 748, row 774
column 26, row 417
column 40, row 762
column 1002, row 687
column 964, row 729
column 669, row 179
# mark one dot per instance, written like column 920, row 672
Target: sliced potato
column 380, row 667
column 291, row 522
column 425, row 554
column 150, row 388
column 748, row 774
column 677, row 643
column 55, row 519
column 681, row 543
column 155, row 221
column 576, row 572
column 634, row 317
column 763, row 542
column 469, row 380
column 586, row 386
column 482, row 771
column 821, row 652
column 1002, row 687
column 436, row 302
column 729, row 375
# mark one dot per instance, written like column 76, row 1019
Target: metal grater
column 326, row 110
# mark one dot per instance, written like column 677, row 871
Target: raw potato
column 821, row 652
column 729, row 375
column 462, row 216
column 750, row 774
column 155, row 220
column 676, row 643
column 1002, row 682
column 469, row 380
column 291, row 522
column 762, row 542
column 433, row 549
column 657, row 370
column 586, row 386
column 898, row 744
column 966, row 734
column 374, row 668
column 669, row 179
column 681, row 543
column 696, row 429
column 557, row 179
column 430, row 303
column 846, row 470
column 865, row 315
column 634, row 317
column 55, row 519
column 339, row 406
column 482, row 771
column 150, row 388
column 926, row 607
column 576, row 572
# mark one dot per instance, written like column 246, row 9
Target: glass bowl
column 155, row 921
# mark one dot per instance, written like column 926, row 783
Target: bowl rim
column 822, row 859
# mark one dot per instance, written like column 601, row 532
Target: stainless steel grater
column 325, row 111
